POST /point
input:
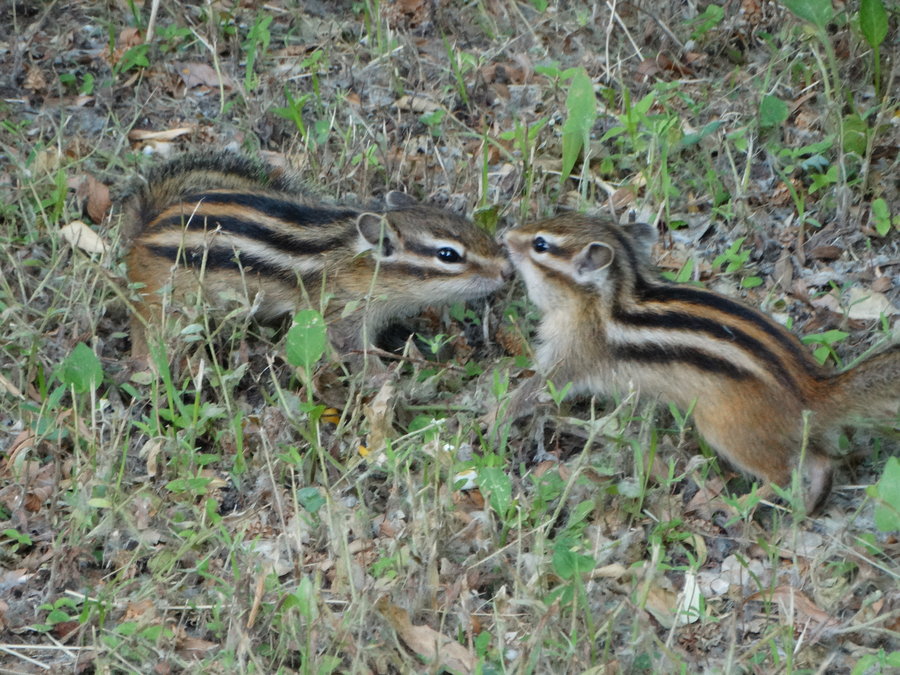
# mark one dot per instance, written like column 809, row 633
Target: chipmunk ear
column 644, row 237
column 377, row 234
column 399, row 200
column 594, row 257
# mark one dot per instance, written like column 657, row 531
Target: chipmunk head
column 575, row 252
column 439, row 256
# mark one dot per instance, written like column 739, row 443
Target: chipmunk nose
column 507, row 271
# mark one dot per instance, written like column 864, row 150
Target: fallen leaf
column 797, row 604
column 826, row 252
column 613, row 571
column 151, row 450
column 165, row 135
column 81, row 235
column 201, row 75
column 784, row 271
column 62, row 629
column 418, row 104
column 881, row 284
column 143, row 610
column 35, row 80
column 661, row 604
column 380, row 416
column 675, row 609
column 46, row 161
column 868, row 305
column 436, row 648
column 196, row 648
column 10, row 388
column 94, row 195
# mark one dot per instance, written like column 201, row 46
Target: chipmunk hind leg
column 767, row 446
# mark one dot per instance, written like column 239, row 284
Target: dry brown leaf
column 94, row 195
column 24, row 440
column 830, row 301
column 513, row 342
column 195, row 648
column 417, row 104
column 795, row 602
column 201, row 75
column 380, row 416
column 46, row 161
column 79, row 234
column 35, row 80
column 784, row 271
column 861, row 304
column 408, row 12
column 661, row 604
column 868, row 305
column 675, row 609
column 10, row 388
column 151, row 450
column 143, row 610
column 98, row 201
column 826, row 252
column 39, row 495
column 881, row 284
column 622, row 197
column 613, row 571
column 128, row 38
column 165, row 135
column 63, row 629
column 436, row 648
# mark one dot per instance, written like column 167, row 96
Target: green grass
column 238, row 507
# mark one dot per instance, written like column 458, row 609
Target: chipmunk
column 606, row 326
column 224, row 226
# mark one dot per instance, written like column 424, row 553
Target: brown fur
column 607, row 326
column 224, row 230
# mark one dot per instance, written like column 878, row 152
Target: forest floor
column 238, row 514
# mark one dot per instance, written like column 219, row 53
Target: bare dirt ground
column 237, row 514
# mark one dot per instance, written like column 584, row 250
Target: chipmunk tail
column 167, row 183
column 870, row 391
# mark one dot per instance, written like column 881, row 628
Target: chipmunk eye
column 449, row 255
column 540, row 245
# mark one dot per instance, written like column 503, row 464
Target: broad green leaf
column 873, row 21
column 855, row 131
column 711, row 17
column 887, row 513
column 693, row 139
column 494, row 481
column 310, row 498
column 817, row 12
column 195, row 485
column 751, row 282
column 829, row 337
column 307, row 338
column 772, row 112
column 581, row 106
column 882, row 216
column 81, row 369
column 569, row 564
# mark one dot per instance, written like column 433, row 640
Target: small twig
column 151, row 22
column 626, row 31
column 27, row 659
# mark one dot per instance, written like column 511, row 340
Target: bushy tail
column 167, row 183
column 869, row 391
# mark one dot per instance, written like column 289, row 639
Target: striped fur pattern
column 607, row 325
column 227, row 230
